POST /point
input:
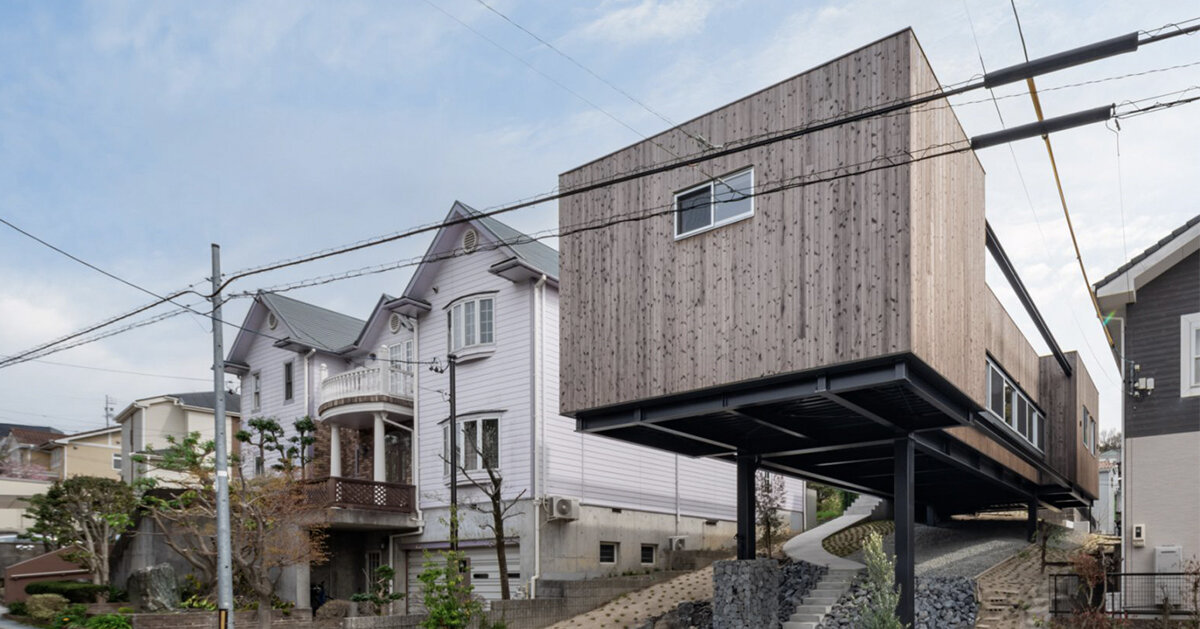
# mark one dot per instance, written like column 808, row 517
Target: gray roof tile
column 1148, row 252
column 313, row 325
column 205, row 399
column 535, row 253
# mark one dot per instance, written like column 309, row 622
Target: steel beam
column 904, row 506
column 747, row 465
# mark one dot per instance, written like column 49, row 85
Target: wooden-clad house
column 817, row 306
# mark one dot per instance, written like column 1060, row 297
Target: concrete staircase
column 813, row 607
column 866, row 505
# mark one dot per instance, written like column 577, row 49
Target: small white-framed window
column 649, row 552
column 56, row 457
column 289, row 382
column 721, row 201
column 478, row 444
column 1089, row 430
column 256, row 391
column 116, row 460
column 609, row 552
column 1189, row 355
column 471, row 322
column 1010, row 405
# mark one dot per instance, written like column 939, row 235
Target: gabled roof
column 1142, row 268
column 207, row 399
column 5, row 429
column 314, row 326
column 521, row 248
column 65, row 439
column 33, row 436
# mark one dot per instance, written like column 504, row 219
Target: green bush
column 125, row 610
column 45, row 607
column 70, row 617
column 108, row 621
column 117, row 595
column 75, row 591
column 18, row 608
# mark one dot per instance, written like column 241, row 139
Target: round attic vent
column 394, row 323
column 272, row 321
column 470, row 240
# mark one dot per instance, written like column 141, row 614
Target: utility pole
column 452, row 359
column 108, row 410
column 224, row 550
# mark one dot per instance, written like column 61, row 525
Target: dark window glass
column 647, row 553
column 694, row 211
column 732, row 196
column 491, row 444
column 997, row 402
column 287, row 381
column 608, row 553
column 1008, row 404
column 1022, row 416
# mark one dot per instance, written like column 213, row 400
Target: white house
column 488, row 294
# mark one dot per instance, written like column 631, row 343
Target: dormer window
column 714, row 203
column 471, row 322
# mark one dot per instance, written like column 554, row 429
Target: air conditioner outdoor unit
column 676, row 542
column 562, row 508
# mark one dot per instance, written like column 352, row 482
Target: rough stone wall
column 746, row 594
column 354, row 442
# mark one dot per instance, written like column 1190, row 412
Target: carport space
column 875, row 427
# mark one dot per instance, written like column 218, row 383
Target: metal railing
column 1128, row 593
column 367, row 381
column 354, row 493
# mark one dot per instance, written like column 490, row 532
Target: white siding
column 500, row 381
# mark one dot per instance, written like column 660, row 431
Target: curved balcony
column 349, row 398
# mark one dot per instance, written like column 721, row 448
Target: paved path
column 635, row 608
column 807, row 545
column 10, row 624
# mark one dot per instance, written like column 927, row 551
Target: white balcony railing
column 367, row 381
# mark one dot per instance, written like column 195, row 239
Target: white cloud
column 650, row 20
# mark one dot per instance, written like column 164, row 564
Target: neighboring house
column 488, row 294
column 1106, row 510
column 1154, row 306
column 24, row 472
column 817, row 306
column 51, row 566
column 19, row 450
column 90, row 453
column 146, row 424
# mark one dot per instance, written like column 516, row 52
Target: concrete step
column 813, row 618
column 812, row 609
column 799, row 625
column 820, row 600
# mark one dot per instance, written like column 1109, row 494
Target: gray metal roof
column 535, row 253
column 1149, row 251
column 5, row 429
column 205, row 399
column 313, row 325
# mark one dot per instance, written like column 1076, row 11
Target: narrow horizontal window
column 1010, row 405
column 723, row 200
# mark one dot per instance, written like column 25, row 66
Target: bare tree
column 769, row 494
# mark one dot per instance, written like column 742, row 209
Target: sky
column 134, row 134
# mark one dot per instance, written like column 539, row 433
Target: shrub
column 125, row 610
column 333, row 608
column 75, row 591
column 108, row 621
column 71, row 616
column 18, row 608
column 117, row 595
column 449, row 599
column 45, row 607
column 196, row 601
column 878, row 611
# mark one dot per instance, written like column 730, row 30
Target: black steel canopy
column 839, row 426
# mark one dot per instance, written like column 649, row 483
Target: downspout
column 416, row 431
column 309, row 408
column 539, row 466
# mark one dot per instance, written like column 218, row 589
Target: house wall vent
column 272, row 320
column 394, row 323
column 563, row 508
column 470, row 240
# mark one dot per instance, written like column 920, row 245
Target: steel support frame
column 904, row 507
column 747, row 466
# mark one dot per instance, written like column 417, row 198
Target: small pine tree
column 879, row 610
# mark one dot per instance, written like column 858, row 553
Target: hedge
column 74, row 591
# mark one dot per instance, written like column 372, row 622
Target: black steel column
column 904, row 506
column 1031, row 523
column 747, row 465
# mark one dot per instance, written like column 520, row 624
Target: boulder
column 154, row 589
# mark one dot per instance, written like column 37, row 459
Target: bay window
column 471, row 323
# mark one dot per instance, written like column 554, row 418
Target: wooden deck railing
column 354, row 493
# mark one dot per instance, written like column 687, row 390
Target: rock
column 154, row 589
column 941, row 603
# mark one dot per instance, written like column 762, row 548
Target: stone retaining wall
column 746, row 594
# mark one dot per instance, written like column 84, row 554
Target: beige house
column 146, row 424
column 24, row 471
column 91, row 453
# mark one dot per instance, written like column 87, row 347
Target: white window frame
column 616, row 553
column 461, row 309
column 653, row 554
column 1189, row 355
column 713, row 223
column 256, row 391
column 477, row 464
column 289, row 381
column 1089, row 430
column 1035, row 419
column 116, row 460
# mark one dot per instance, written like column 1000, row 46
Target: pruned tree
column 268, row 523
column 88, row 512
column 265, row 435
column 769, row 495
column 298, row 444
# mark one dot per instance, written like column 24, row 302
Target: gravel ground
column 961, row 548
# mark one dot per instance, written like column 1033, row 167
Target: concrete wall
column 1161, row 481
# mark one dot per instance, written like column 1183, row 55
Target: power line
column 120, row 371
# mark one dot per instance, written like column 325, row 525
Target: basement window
column 1011, row 406
column 608, row 552
column 718, row 202
column 648, row 552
